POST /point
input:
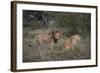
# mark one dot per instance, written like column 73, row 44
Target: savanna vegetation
column 46, row 21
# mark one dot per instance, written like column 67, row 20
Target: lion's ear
column 50, row 33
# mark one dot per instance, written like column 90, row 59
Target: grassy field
column 32, row 53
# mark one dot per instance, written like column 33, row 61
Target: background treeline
column 71, row 22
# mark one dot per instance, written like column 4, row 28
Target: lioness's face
column 76, row 38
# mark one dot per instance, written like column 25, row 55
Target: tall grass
column 32, row 52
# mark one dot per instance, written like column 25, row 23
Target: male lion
column 51, row 38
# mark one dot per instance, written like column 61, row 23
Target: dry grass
column 32, row 53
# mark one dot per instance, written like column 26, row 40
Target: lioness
column 72, row 41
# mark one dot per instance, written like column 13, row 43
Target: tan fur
column 47, row 38
column 72, row 41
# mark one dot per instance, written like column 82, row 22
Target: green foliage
column 70, row 22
